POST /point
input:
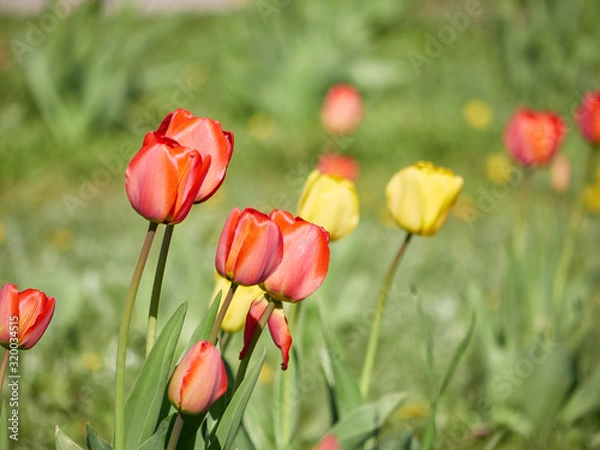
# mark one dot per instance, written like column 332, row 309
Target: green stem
column 566, row 255
column 522, row 206
column 157, row 287
column 175, row 433
column 123, row 332
column 262, row 322
column 3, row 368
column 214, row 331
column 365, row 380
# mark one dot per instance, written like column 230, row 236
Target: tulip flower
column 305, row 259
column 560, row 173
column 420, row 197
column 24, row 316
column 206, row 137
column 250, row 247
column 532, row 138
column 340, row 165
column 163, row 179
column 329, row 442
column 342, row 110
column 235, row 317
column 331, row 202
column 588, row 117
column 278, row 327
column 199, row 379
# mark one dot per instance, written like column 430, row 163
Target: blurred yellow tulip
column 419, row 197
column 331, row 202
column 235, row 317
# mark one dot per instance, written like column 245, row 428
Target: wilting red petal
column 278, row 326
column 254, row 314
column 305, row 259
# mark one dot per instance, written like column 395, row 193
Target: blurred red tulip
column 329, row 442
column 278, row 327
column 560, row 173
column 250, row 247
column 163, row 179
column 342, row 109
column 199, row 379
column 24, row 316
column 305, row 259
column 206, row 137
column 588, row 117
column 532, row 138
column 340, row 165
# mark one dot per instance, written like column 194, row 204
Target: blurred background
column 82, row 81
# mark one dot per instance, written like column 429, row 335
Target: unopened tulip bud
column 342, row 110
column 532, row 138
column 331, row 202
column 199, row 380
column 24, row 316
column 588, row 117
column 420, row 197
column 250, row 247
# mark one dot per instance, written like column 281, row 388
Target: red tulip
column 206, row 137
column 250, row 247
column 588, row 117
column 163, row 179
column 532, row 138
column 342, row 109
column 305, row 259
column 24, row 316
column 340, row 165
column 278, row 327
column 199, row 379
column 329, row 442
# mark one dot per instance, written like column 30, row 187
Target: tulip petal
column 9, row 307
column 405, row 200
column 278, row 327
column 225, row 243
column 191, row 177
column 35, row 312
column 254, row 314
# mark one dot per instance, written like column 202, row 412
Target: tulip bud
column 340, row 165
column 532, row 138
column 235, row 317
column 278, row 327
column 163, row 179
column 199, row 379
column 206, row 137
column 250, row 247
column 588, row 117
column 560, row 173
column 342, row 110
column 331, row 202
column 24, row 316
column 329, row 442
column 420, row 197
column 305, row 259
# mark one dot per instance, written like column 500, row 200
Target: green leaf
column 94, row 442
column 159, row 440
column 285, row 410
column 224, row 436
column 4, row 432
column 143, row 407
column 63, row 442
column 585, row 400
column 363, row 423
column 203, row 330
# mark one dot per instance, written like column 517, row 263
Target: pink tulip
column 342, row 110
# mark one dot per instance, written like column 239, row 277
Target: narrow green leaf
column 95, row 442
column 224, row 436
column 285, row 410
column 458, row 354
column 143, row 407
column 159, row 440
column 363, row 423
column 585, row 400
column 202, row 331
column 63, row 442
column 4, row 430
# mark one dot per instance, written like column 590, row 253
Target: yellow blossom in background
column 591, row 198
column 414, row 411
column 477, row 114
column 331, row 202
column 61, row 239
column 420, row 197
column 498, row 168
column 266, row 373
column 261, row 126
column 91, row 361
column 235, row 317
column 465, row 209
column 2, row 233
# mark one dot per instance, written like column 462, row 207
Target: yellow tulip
column 235, row 317
column 419, row 197
column 331, row 202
